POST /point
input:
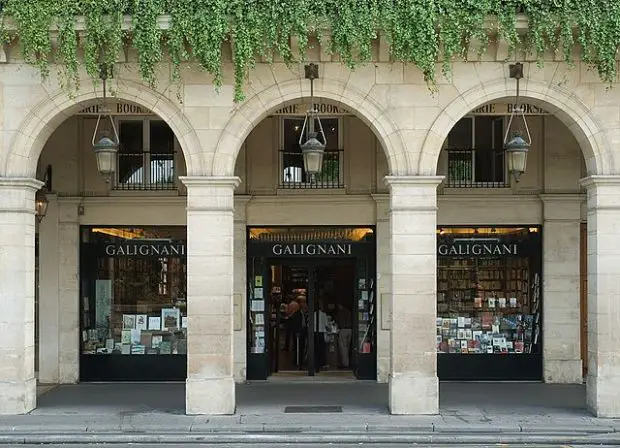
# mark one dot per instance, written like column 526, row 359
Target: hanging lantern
column 311, row 142
column 517, row 147
column 105, row 146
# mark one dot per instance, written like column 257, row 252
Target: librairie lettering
column 145, row 250
column 311, row 249
column 477, row 249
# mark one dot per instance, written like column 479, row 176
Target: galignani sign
column 507, row 109
column 142, row 249
column 312, row 249
column 478, row 248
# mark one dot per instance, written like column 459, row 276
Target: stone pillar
column 240, row 289
column 48, row 295
column 18, row 386
column 561, row 289
column 384, row 286
column 414, row 387
column 210, row 387
column 68, row 291
column 603, row 379
column 59, row 325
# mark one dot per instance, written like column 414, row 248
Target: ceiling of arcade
column 409, row 119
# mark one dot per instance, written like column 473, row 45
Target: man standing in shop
column 320, row 327
column 299, row 324
column 345, row 334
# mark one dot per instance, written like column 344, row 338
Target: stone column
column 59, row 325
column 414, row 387
column 240, row 289
column 210, row 387
column 68, row 291
column 384, row 286
column 561, row 291
column 603, row 379
column 18, row 386
column 48, row 295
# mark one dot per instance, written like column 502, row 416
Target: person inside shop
column 345, row 334
column 320, row 327
column 290, row 309
column 299, row 327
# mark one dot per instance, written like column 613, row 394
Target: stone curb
column 248, row 438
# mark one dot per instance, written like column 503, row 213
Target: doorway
column 311, row 309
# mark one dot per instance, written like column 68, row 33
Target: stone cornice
column 428, row 181
column 598, row 180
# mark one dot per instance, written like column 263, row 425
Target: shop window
column 133, row 297
column 475, row 153
column 146, row 157
column 489, row 296
column 292, row 173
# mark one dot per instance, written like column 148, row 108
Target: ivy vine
column 419, row 32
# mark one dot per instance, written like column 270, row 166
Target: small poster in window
column 491, row 302
column 135, row 336
column 141, row 322
column 260, row 319
column 156, row 341
column 257, row 305
column 258, row 281
column 513, row 302
column 183, row 321
column 502, row 302
column 129, row 321
column 154, row 323
column 126, row 336
column 170, row 318
column 258, row 293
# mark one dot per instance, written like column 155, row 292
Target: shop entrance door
column 311, row 318
column 319, row 319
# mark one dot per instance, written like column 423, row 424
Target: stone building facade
column 394, row 178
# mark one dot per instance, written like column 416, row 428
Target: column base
column 18, row 398
column 563, row 371
column 214, row 396
column 603, row 396
column 414, row 395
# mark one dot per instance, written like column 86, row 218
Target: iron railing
column 293, row 175
column 146, row 171
column 462, row 168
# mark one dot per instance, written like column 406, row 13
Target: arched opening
column 312, row 248
column 509, row 251
column 111, row 256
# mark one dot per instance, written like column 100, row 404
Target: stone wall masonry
column 603, row 380
column 210, row 387
column 414, row 387
column 17, row 263
column 561, row 289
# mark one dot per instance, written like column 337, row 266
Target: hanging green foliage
column 418, row 31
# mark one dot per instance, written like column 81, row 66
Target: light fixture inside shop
column 40, row 199
column 517, row 147
column 105, row 140
column 312, row 143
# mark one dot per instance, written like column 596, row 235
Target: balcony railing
column 145, row 172
column 465, row 172
column 293, row 175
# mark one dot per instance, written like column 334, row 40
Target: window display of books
column 487, row 305
column 486, row 334
column 140, row 334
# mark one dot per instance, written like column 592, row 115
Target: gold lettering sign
column 117, row 109
column 507, row 109
column 321, row 108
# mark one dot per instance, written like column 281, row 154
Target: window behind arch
column 147, row 155
column 475, row 153
column 292, row 172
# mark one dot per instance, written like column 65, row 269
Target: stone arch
column 255, row 109
column 43, row 119
column 565, row 105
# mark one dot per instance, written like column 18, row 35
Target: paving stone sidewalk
column 155, row 412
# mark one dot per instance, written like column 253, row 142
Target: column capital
column 16, row 183
column 210, row 181
column 600, row 181
column 414, row 181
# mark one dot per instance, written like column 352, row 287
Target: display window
column 489, row 291
column 133, row 300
